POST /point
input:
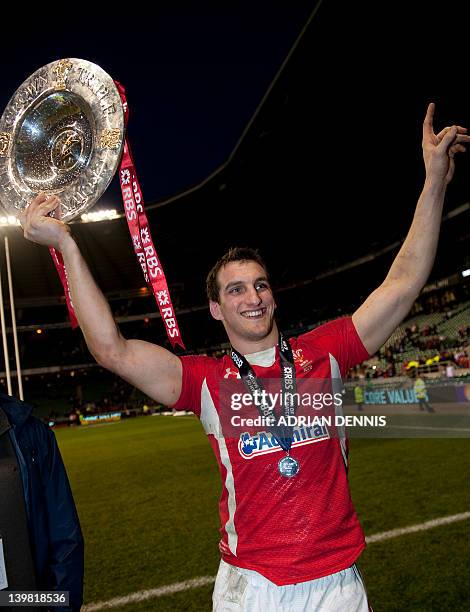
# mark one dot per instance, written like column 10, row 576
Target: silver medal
column 288, row 466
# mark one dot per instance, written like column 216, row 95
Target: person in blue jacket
column 41, row 543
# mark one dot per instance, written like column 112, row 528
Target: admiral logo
column 264, row 442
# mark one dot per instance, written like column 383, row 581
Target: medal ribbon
column 283, row 433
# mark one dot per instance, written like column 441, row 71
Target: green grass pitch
column 147, row 493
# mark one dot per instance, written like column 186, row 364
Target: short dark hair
column 233, row 254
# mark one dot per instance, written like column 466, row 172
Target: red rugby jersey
column 287, row 529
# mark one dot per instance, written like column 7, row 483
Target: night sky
column 334, row 159
column 193, row 77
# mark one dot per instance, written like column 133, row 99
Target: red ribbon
column 139, row 230
column 141, row 239
column 59, row 264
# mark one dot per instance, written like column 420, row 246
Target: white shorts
column 242, row 590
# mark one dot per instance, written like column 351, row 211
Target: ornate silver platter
column 62, row 133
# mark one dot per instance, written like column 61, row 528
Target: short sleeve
column 340, row 339
column 195, row 370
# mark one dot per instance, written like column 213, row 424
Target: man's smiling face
column 246, row 305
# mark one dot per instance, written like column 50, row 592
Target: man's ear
column 214, row 307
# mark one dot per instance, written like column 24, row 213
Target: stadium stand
column 57, row 360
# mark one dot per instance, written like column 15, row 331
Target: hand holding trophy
column 62, row 138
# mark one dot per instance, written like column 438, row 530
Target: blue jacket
column 55, row 534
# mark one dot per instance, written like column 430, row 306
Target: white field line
column 395, row 533
column 177, row 587
column 169, row 589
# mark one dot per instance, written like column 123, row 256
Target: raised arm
column 149, row 367
column 389, row 304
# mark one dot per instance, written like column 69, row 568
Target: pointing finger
column 428, row 121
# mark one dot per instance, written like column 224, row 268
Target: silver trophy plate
column 62, row 133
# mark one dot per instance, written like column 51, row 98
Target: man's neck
column 247, row 347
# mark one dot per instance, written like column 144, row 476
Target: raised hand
column 439, row 149
column 41, row 228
